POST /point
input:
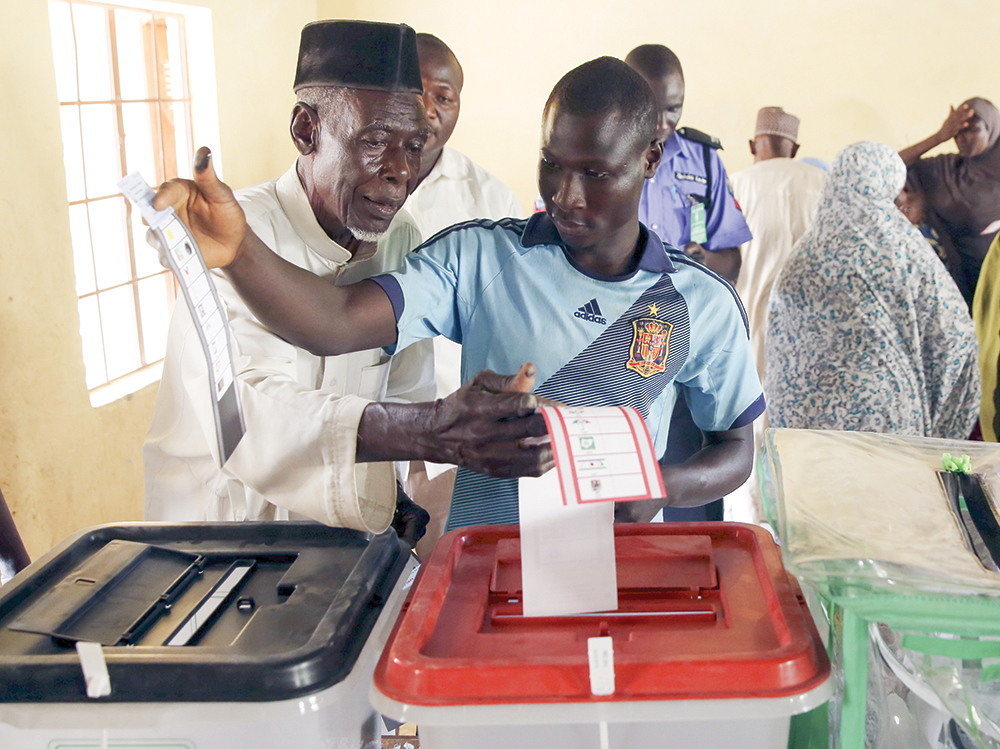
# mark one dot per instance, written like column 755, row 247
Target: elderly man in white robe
column 359, row 127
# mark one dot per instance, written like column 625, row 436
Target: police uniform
column 690, row 190
column 688, row 200
column 509, row 292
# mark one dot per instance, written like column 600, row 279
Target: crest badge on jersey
column 650, row 344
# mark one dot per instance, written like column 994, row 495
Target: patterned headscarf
column 867, row 330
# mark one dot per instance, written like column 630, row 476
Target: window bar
column 122, row 171
column 86, row 197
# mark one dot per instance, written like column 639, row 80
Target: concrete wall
column 851, row 69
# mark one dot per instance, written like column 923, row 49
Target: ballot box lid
column 706, row 611
column 194, row 612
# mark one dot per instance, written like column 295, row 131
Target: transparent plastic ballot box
column 712, row 647
column 897, row 541
column 212, row 635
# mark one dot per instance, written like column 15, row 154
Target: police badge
column 650, row 345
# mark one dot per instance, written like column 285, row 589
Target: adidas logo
column 591, row 312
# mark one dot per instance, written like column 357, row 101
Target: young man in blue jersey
column 654, row 324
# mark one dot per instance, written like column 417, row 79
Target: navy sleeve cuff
column 753, row 411
column 392, row 290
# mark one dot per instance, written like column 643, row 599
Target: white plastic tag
column 95, row 669
column 601, row 654
column 412, row 576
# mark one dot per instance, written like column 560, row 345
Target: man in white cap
column 318, row 442
column 778, row 196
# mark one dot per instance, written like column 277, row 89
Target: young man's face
column 366, row 161
column 668, row 90
column 590, row 175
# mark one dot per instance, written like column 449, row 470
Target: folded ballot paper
column 180, row 251
column 603, row 456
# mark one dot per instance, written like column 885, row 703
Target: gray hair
column 324, row 99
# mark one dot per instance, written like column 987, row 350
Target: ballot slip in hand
column 566, row 516
column 180, row 250
column 603, row 455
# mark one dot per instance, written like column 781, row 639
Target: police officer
column 688, row 204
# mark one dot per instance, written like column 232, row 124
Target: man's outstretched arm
column 302, row 308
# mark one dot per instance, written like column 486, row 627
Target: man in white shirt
column 359, row 128
column 778, row 196
column 451, row 189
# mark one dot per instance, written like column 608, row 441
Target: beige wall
column 851, row 69
column 63, row 464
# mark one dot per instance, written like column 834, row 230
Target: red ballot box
column 712, row 645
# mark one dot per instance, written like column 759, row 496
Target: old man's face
column 366, row 161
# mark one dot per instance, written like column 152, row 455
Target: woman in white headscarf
column 867, row 330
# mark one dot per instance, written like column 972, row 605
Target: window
column 125, row 105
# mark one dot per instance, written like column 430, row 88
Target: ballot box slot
column 975, row 512
column 679, row 612
column 210, row 606
column 649, row 566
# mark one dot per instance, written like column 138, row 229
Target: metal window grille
column 124, row 102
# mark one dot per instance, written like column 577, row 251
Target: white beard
column 363, row 235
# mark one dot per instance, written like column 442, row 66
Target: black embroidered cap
column 359, row 54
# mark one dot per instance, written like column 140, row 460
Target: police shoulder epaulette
column 699, row 137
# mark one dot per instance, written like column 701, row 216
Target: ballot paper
column 602, row 456
column 181, row 253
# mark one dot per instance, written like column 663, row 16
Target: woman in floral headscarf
column 867, row 330
column 962, row 189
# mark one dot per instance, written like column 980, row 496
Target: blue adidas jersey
column 509, row 292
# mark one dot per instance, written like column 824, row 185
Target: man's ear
column 304, row 128
column 654, row 155
column 795, row 150
column 753, row 148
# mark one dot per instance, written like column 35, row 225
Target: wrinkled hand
column 209, row 209
column 956, row 122
column 695, row 251
column 490, row 425
column 638, row 512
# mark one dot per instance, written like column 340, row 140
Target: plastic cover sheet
column 868, row 512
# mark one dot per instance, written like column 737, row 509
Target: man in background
column 778, row 196
column 451, row 189
column 688, row 204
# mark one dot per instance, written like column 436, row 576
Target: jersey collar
column 540, row 230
